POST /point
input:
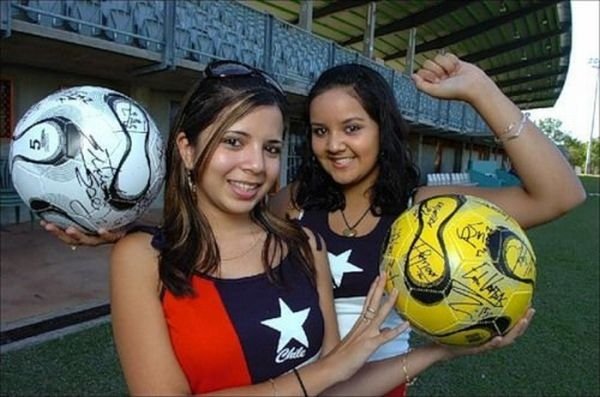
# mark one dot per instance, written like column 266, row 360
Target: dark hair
column 398, row 175
column 189, row 246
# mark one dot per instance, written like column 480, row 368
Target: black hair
column 398, row 174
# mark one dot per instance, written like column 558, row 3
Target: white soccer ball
column 89, row 157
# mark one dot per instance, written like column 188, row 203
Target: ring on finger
column 369, row 316
column 371, row 310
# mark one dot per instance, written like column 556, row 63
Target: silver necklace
column 350, row 231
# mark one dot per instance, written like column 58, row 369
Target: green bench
column 488, row 173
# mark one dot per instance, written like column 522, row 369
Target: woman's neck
column 227, row 226
column 356, row 197
column 240, row 240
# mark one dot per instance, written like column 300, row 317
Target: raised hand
column 74, row 237
column 447, row 77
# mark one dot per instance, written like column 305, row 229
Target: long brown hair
column 189, row 246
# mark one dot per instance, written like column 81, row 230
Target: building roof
column 523, row 45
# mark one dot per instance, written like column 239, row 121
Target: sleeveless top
column 354, row 263
column 237, row 332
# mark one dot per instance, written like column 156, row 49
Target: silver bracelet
column 510, row 133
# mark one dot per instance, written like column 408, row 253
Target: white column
column 369, row 36
column 305, row 17
column 594, row 62
column 410, row 53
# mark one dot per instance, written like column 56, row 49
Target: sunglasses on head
column 224, row 69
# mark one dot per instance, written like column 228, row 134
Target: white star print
column 340, row 266
column 289, row 324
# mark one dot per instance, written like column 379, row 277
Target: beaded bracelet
column 407, row 379
column 510, row 133
column 273, row 387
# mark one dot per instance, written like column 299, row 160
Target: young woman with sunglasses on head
column 227, row 298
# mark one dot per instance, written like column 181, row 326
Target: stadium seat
column 455, row 115
column 46, row 6
column 450, row 178
column 485, row 180
column 428, row 109
column 119, row 21
column 487, row 167
column 408, row 100
column 87, row 12
column 183, row 31
column 148, row 22
column 507, row 178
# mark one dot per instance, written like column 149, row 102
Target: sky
column 574, row 105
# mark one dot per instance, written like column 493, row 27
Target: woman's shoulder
column 135, row 241
column 134, row 255
column 316, row 242
column 282, row 203
column 319, row 251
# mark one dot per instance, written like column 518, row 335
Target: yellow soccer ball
column 464, row 269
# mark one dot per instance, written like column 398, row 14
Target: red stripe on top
column 204, row 339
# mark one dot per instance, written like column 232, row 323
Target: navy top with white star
column 244, row 331
column 354, row 261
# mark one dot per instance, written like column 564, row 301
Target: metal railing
column 204, row 30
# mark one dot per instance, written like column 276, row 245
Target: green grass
column 558, row 355
column 81, row 364
column 591, row 183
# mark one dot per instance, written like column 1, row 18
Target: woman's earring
column 190, row 181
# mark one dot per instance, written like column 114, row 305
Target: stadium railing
column 201, row 31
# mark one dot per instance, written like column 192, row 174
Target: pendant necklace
column 350, row 231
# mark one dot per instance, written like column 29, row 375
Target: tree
column 551, row 127
column 595, row 157
column 573, row 148
column 576, row 151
